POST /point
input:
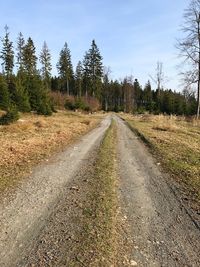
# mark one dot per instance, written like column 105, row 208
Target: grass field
column 33, row 138
column 176, row 143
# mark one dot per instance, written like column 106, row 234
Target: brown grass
column 33, row 138
column 176, row 142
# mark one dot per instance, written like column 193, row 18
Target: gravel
column 24, row 214
column 162, row 232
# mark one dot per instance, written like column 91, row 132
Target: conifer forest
column 24, row 87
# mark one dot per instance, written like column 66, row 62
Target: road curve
column 161, row 231
column 23, row 215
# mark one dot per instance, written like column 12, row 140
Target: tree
column 79, row 79
column 93, row 68
column 7, row 54
column 65, row 68
column 189, row 47
column 38, row 96
column 106, row 87
column 29, row 58
column 20, row 49
column 159, row 77
column 21, row 97
column 4, row 94
column 147, row 96
column 45, row 60
column 86, row 74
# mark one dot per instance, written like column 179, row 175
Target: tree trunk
column 67, row 86
column 198, row 85
column 198, row 96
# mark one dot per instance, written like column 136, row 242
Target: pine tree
column 7, row 54
column 65, row 68
column 29, row 58
column 86, row 74
column 4, row 94
column 21, row 96
column 38, row 96
column 147, row 96
column 79, row 79
column 45, row 60
column 20, row 52
column 94, row 69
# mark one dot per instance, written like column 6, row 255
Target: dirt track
column 162, row 233
column 23, row 215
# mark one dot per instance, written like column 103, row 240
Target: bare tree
column 159, row 77
column 189, row 47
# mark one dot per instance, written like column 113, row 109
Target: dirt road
column 24, row 214
column 160, row 229
column 162, row 232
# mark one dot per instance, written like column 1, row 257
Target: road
column 161, row 231
column 23, row 215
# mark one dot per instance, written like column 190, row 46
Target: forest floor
column 34, row 138
column 103, row 201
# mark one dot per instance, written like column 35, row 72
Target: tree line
column 25, row 88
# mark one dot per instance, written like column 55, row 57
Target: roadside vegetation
column 176, row 143
column 33, row 138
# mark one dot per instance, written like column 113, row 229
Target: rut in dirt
column 162, row 232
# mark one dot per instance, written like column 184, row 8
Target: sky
column 132, row 35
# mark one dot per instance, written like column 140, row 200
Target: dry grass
column 176, row 142
column 33, row 138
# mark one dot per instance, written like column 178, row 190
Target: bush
column 79, row 104
column 87, row 108
column 69, row 105
column 11, row 116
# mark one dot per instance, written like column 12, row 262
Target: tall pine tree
column 45, row 60
column 29, row 58
column 65, row 69
column 94, row 69
column 7, row 54
column 79, row 79
column 20, row 53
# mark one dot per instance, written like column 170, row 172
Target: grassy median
column 97, row 241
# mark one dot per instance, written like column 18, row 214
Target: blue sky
column 132, row 35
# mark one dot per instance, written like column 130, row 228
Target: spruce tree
column 38, row 96
column 79, row 79
column 86, row 74
column 93, row 64
column 20, row 53
column 21, row 96
column 45, row 60
column 7, row 54
column 4, row 94
column 29, row 58
column 65, row 68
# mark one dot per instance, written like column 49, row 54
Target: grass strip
column 97, row 243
